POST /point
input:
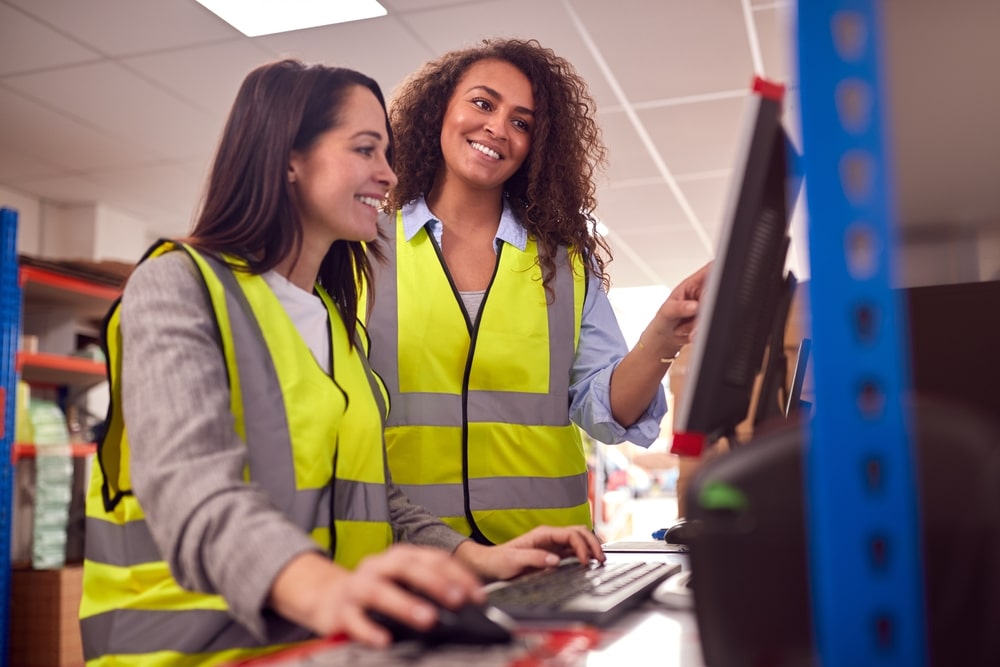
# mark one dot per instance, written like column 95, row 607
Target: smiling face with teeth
column 486, row 130
column 341, row 179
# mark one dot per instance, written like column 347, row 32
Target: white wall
column 948, row 255
column 29, row 224
column 68, row 231
column 119, row 236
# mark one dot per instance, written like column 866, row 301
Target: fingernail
column 690, row 307
column 552, row 559
column 422, row 614
column 454, row 594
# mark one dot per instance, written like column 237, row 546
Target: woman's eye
column 482, row 104
column 366, row 150
column 521, row 125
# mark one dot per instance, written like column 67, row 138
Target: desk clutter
column 534, row 648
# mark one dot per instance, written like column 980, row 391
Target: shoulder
column 173, row 272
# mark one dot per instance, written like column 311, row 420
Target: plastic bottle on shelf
column 53, row 484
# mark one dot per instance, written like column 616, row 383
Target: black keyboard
column 593, row 593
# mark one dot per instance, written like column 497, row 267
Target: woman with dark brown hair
column 240, row 500
column 491, row 325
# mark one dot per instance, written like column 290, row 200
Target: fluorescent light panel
column 265, row 17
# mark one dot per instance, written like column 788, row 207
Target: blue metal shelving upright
column 10, row 327
column 865, row 557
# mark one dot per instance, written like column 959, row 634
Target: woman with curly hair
column 491, row 324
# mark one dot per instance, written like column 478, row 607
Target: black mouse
column 679, row 533
column 469, row 624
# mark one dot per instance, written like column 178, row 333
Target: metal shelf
column 60, row 370
column 862, row 513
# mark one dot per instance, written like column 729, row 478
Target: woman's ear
column 293, row 166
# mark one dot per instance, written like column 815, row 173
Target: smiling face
column 486, row 130
column 341, row 179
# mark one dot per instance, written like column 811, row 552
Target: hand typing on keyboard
column 539, row 548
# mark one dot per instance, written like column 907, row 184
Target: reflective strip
column 441, row 499
column 500, row 493
column 383, row 320
column 140, row 631
column 131, row 543
column 360, row 501
column 269, row 446
column 502, row 407
column 123, row 545
column 507, row 493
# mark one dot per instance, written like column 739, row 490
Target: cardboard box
column 44, row 617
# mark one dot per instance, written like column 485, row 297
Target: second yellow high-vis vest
column 300, row 449
column 479, row 430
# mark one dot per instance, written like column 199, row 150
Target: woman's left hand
column 537, row 549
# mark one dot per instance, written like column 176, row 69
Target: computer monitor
column 794, row 402
column 772, row 395
column 746, row 283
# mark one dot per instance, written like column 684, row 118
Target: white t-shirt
column 308, row 314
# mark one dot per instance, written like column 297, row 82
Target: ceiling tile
column 381, row 47
column 33, row 129
column 405, row 6
column 211, row 89
column 647, row 231
column 628, row 157
column 16, row 165
column 774, row 33
column 26, row 44
column 654, row 257
column 464, row 25
column 640, row 207
column 655, row 54
column 696, row 137
column 708, row 197
column 122, row 27
column 109, row 97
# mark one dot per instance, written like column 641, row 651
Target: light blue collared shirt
column 602, row 345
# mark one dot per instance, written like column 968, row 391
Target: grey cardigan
column 218, row 534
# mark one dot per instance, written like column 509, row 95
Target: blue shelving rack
column 865, row 557
column 10, row 327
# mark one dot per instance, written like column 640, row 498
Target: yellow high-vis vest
column 298, row 449
column 479, row 430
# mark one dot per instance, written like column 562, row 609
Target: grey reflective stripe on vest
column 144, row 631
column 105, row 539
column 430, row 409
column 514, row 493
column 269, row 445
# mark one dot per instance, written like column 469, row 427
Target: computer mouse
column 469, row 624
column 679, row 533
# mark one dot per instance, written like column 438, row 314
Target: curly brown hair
column 553, row 191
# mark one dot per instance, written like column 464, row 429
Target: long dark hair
column 553, row 193
column 249, row 208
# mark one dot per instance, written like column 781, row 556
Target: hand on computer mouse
column 328, row 599
column 469, row 624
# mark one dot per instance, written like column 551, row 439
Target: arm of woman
column 601, row 348
column 641, row 372
column 218, row 534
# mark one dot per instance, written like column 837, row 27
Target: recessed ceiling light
column 265, row 17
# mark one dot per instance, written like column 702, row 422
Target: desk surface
column 671, row 636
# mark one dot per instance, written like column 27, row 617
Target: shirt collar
column 416, row 215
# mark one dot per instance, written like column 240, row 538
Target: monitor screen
column 746, row 284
